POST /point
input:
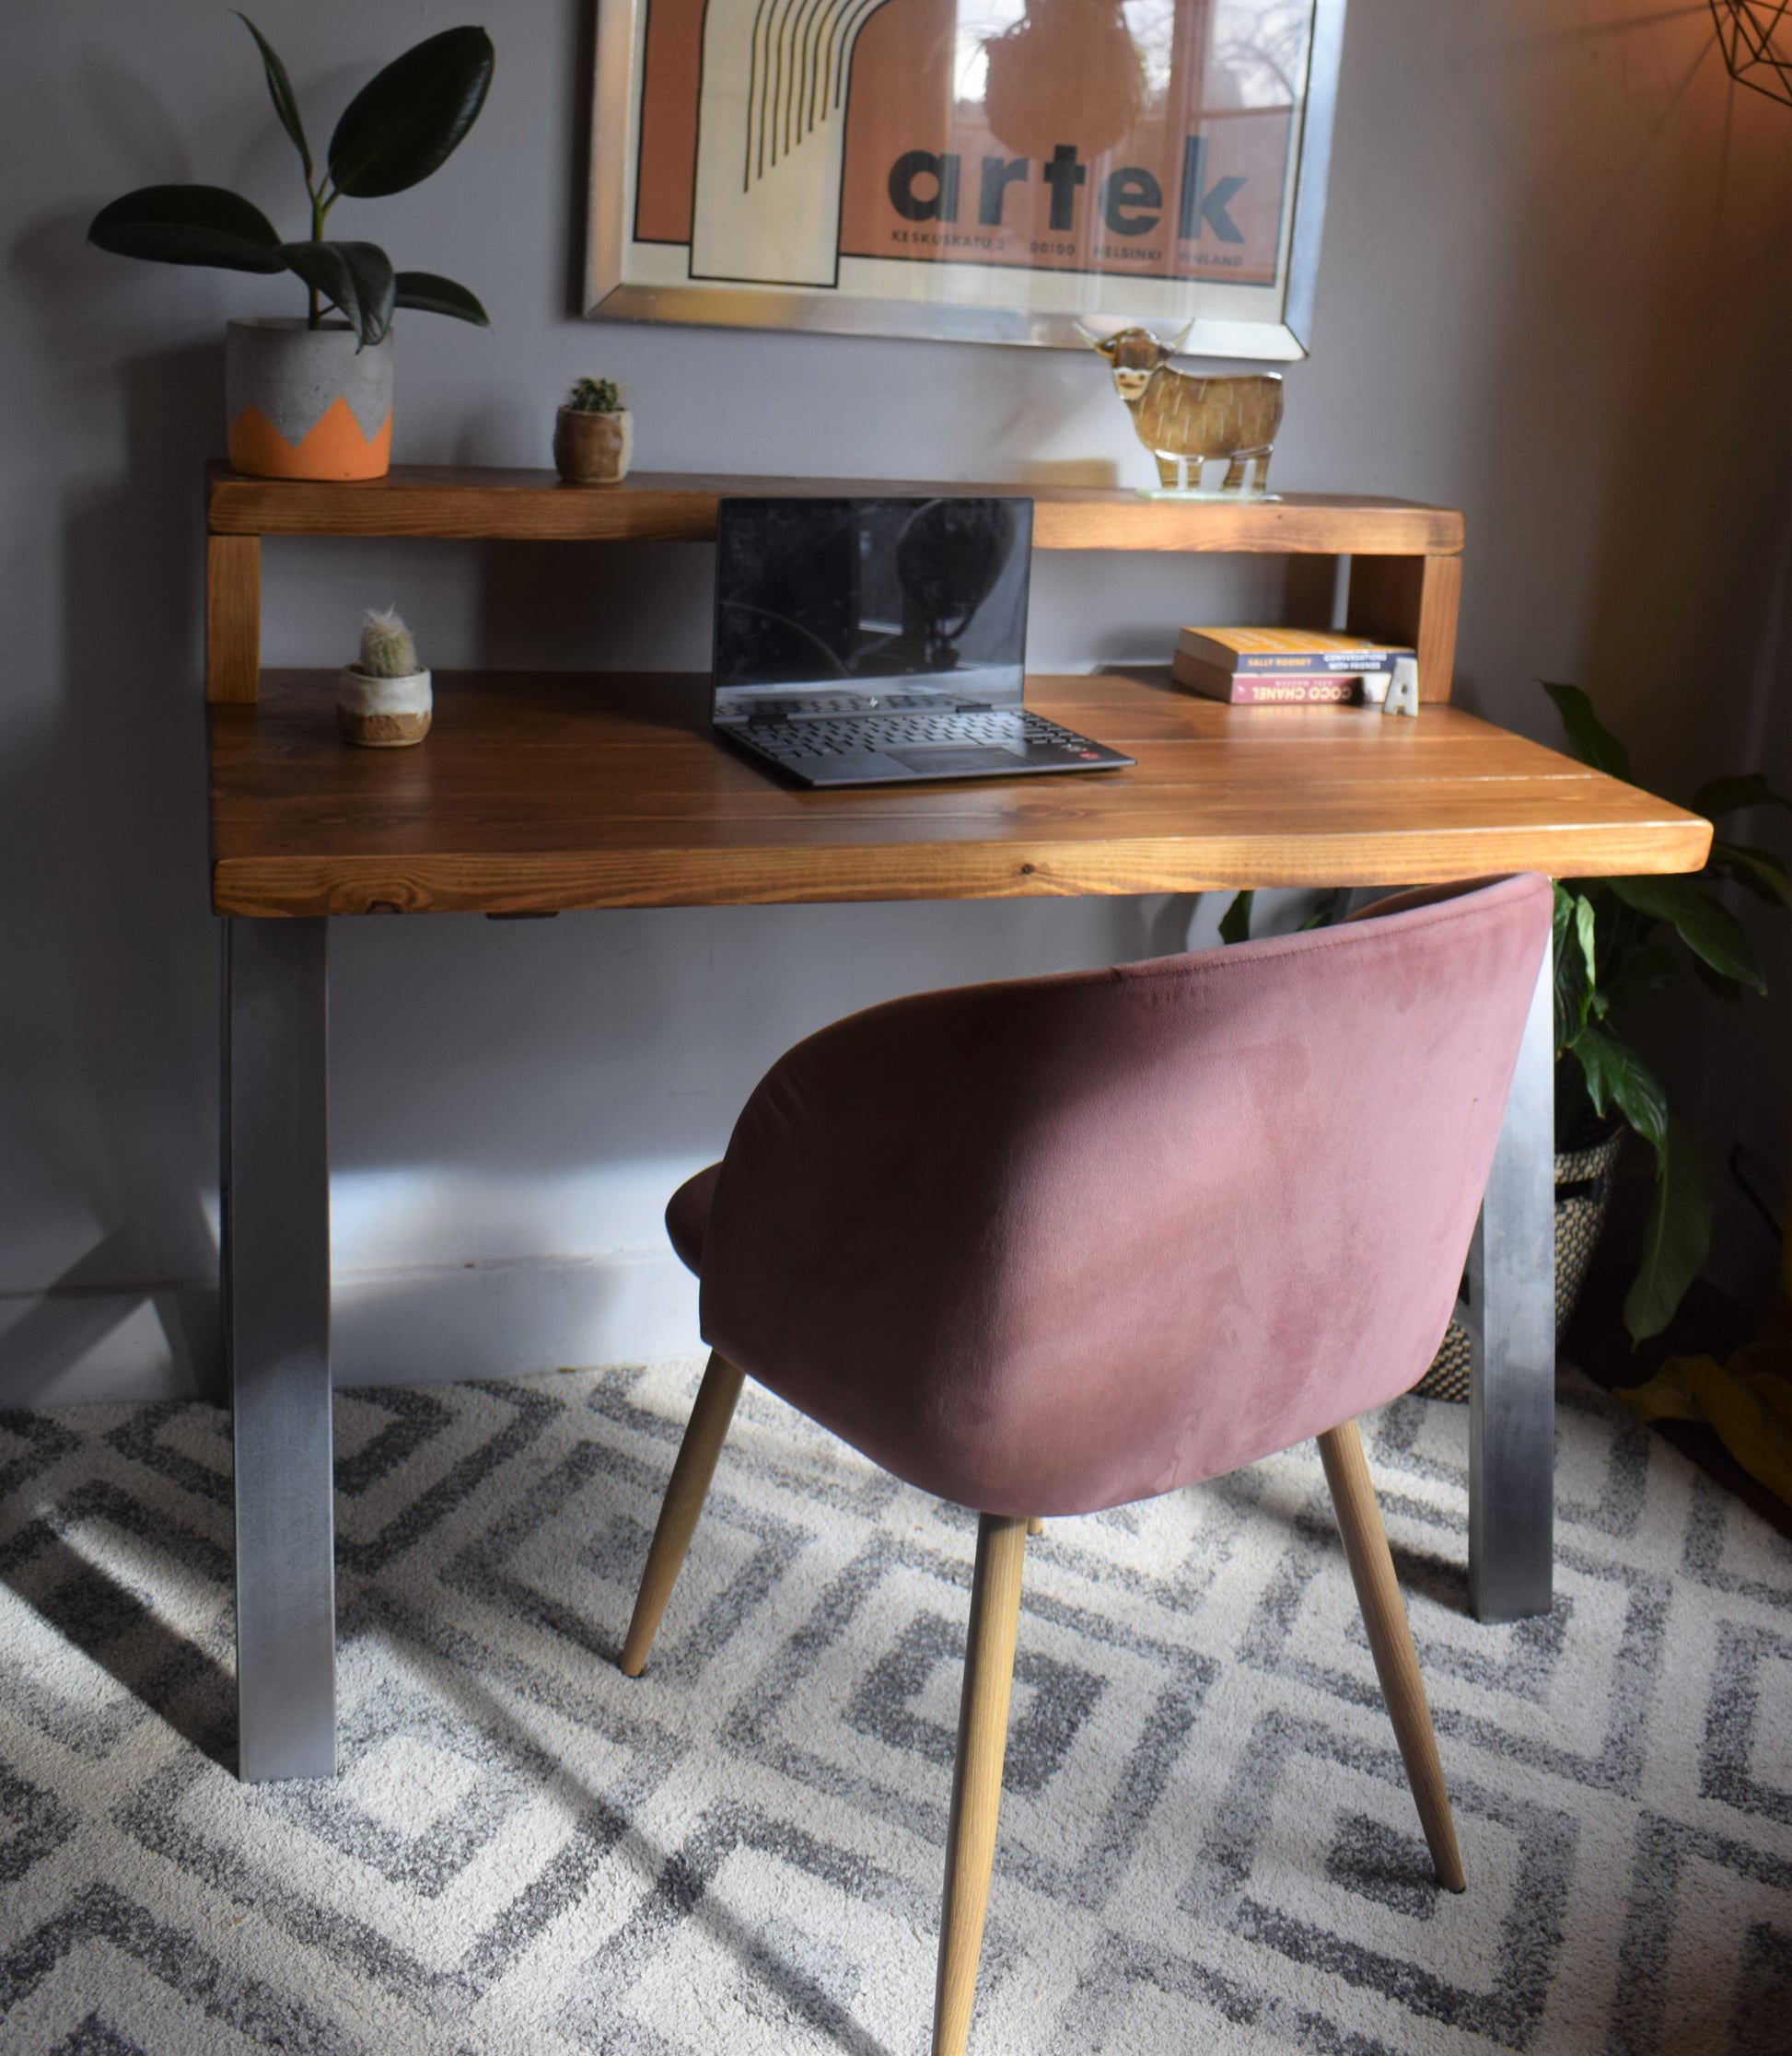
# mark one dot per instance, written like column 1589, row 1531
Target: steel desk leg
column 1512, row 1333
column 276, row 1338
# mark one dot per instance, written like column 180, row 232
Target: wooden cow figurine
column 1183, row 421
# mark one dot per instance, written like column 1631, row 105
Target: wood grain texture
column 1390, row 1644
column 1413, row 600
column 474, row 502
column 233, row 617
column 977, row 1773
column 686, row 1490
column 541, row 791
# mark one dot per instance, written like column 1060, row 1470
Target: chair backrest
column 1059, row 1243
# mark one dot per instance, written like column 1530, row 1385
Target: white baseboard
column 424, row 1326
column 70, row 1347
column 443, row 1324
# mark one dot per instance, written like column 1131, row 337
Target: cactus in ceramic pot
column 594, row 396
column 387, row 650
column 385, row 701
column 594, row 434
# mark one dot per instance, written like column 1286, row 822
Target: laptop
column 881, row 641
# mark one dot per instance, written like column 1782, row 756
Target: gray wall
column 1554, row 293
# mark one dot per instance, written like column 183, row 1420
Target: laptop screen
column 870, row 602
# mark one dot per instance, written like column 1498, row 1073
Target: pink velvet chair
column 1049, row 1246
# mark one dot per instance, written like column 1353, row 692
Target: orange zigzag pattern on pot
column 332, row 448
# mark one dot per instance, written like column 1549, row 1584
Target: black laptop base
column 999, row 743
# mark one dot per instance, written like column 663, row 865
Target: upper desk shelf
column 1405, row 572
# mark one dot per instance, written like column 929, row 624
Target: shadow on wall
column 1693, row 495
column 102, row 833
column 1693, row 526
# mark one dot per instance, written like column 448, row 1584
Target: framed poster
column 983, row 170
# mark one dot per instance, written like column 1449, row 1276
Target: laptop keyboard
column 824, row 738
column 841, row 702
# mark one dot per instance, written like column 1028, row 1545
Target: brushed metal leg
column 1512, row 1336
column 277, row 1315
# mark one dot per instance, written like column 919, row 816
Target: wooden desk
column 542, row 792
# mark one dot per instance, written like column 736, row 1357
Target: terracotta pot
column 593, row 449
column 303, row 403
column 384, row 713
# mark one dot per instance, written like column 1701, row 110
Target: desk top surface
column 540, row 790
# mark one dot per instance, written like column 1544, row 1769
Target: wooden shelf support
column 1412, row 600
column 233, row 618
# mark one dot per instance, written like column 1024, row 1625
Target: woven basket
column 1583, row 1196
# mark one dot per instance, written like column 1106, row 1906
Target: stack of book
column 1283, row 666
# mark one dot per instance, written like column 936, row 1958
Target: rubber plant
column 1618, row 942
column 402, row 126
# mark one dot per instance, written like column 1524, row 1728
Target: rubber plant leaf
column 1589, row 739
column 407, row 122
column 1728, row 796
column 190, row 225
column 1763, row 871
column 1707, row 926
column 1678, row 1237
column 427, row 293
column 1235, row 923
column 1618, row 1078
column 280, row 91
column 357, row 277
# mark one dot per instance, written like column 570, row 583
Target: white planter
column 384, row 713
column 304, row 402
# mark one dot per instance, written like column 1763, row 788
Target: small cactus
column 387, row 650
column 594, row 396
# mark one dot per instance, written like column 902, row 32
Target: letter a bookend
column 1404, row 692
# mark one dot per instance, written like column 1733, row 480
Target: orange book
column 1286, row 650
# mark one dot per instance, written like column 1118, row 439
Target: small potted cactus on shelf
column 384, row 701
column 594, row 435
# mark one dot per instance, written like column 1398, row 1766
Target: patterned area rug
column 1206, row 1840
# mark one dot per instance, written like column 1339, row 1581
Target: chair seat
column 687, row 1217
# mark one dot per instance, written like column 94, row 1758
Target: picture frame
column 977, row 171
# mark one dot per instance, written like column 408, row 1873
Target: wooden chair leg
column 977, row 1775
column 1391, row 1643
column 1035, row 1526
column 685, row 1494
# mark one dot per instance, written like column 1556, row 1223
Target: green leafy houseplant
column 1614, row 951
column 402, row 126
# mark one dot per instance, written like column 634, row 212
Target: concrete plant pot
column 303, row 403
column 383, row 714
column 593, row 449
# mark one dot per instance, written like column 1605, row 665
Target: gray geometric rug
column 1206, row 1840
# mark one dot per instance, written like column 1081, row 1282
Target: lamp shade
column 1755, row 37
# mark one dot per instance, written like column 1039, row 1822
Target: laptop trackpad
column 958, row 763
